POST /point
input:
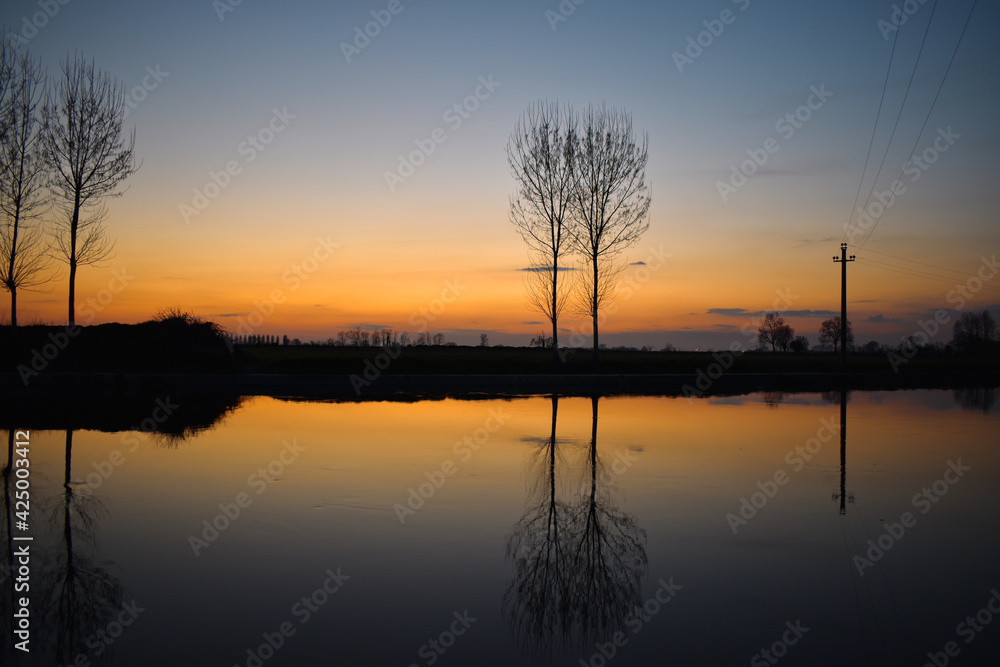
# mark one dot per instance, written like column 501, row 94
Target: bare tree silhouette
column 540, row 154
column 975, row 332
column 829, row 333
column 593, row 297
column 24, row 257
column 90, row 157
column 610, row 196
column 775, row 332
column 548, row 294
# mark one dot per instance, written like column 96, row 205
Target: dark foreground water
column 619, row 531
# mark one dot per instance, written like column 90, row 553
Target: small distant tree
column 669, row 347
column 438, row 339
column 541, row 340
column 975, row 332
column 774, row 332
column 404, row 339
column 829, row 333
column 783, row 337
column 872, row 347
column 484, row 340
column 799, row 344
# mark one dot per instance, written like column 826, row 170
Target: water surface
column 530, row 531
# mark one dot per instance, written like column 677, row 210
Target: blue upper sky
column 710, row 82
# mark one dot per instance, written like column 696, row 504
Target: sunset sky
column 308, row 214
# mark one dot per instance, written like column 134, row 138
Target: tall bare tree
column 540, row 153
column 90, row 156
column 24, row 258
column 610, row 197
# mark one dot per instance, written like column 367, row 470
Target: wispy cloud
column 743, row 312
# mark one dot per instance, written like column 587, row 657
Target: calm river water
column 530, row 531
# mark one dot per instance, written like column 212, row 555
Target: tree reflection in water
column 75, row 594
column 578, row 560
column 82, row 594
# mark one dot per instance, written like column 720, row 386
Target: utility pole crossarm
column 843, row 260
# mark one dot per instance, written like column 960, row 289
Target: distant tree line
column 972, row 333
column 356, row 337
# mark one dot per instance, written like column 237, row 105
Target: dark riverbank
column 193, row 359
column 112, row 385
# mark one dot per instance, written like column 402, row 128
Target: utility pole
column 843, row 260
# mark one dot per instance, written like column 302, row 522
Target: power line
column 902, row 105
column 929, row 111
column 915, row 273
column 933, row 266
column 871, row 140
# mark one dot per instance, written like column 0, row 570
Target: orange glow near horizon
column 393, row 275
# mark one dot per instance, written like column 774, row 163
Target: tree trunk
column 13, row 306
column 72, row 293
column 74, row 226
column 594, row 304
column 555, row 312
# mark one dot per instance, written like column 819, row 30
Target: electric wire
column 902, row 105
column 871, row 140
column 937, row 94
